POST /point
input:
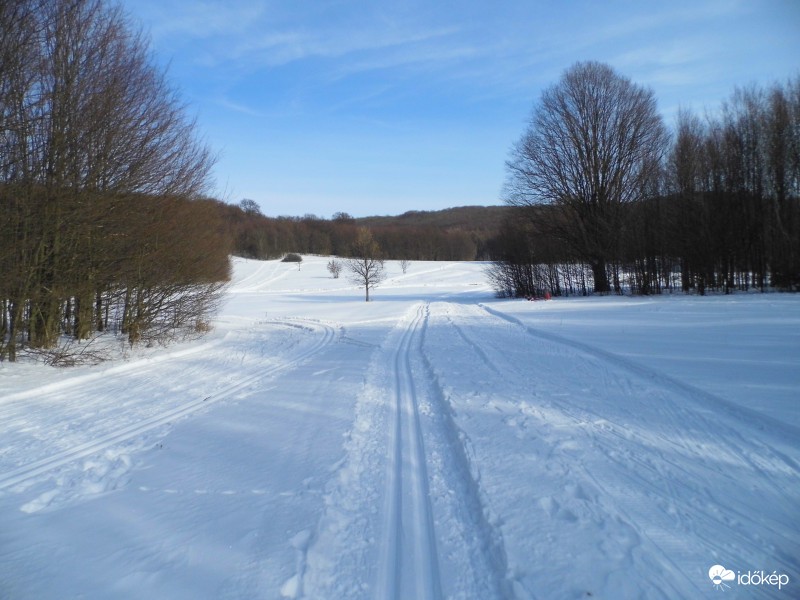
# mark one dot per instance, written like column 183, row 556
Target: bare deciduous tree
column 334, row 268
column 366, row 267
column 250, row 206
column 594, row 144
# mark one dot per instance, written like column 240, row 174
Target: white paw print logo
column 719, row 575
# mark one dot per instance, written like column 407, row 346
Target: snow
column 434, row 443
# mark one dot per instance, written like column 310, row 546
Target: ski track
column 430, row 538
column 408, row 565
column 99, row 443
column 748, row 450
column 481, row 566
column 487, row 458
column 641, row 458
column 700, row 397
column 101, row 374
column 258, row 281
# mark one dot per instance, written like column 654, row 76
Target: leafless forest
column 101, row 180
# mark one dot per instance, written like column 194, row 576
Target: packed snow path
column 430, row 538
column 409, row 565
column 435, row 443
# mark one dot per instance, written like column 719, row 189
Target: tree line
column 607, row 200
column 101, row 183
column 257, row 236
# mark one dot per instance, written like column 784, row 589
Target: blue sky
column 383, row 107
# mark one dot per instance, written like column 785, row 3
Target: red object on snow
column 547, row 295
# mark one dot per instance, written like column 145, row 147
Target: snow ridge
column 456, row 484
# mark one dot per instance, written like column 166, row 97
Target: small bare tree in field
column 334, row 268
column 404, row 265
column 366, row 267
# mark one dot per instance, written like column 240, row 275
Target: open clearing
column 434, row 443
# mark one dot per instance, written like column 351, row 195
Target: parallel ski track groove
column 244, row 287
column 39, row 467
column 488, row 560
column 9, row 401
column 789, row 432
column 406, row 448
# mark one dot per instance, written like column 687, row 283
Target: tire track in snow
column 43, row 466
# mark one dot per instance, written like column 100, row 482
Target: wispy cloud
column 422, row 56
column 670, row 16
column 278, row 48
column 201, row 19
column 239, row 108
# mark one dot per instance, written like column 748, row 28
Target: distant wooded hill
column 479, row 219
column 461, row 233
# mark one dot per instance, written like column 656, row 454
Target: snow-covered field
column 434, row 443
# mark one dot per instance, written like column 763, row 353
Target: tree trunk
column 600, row 276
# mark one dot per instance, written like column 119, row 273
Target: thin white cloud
column 489, row 53
column 202, row 19
column 280, row 48
column 239, row 108
column 670, row 53
column 671, row 15
column 425, row 56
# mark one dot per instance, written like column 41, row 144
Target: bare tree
column 594, row 144
column 250, row 207
column 334, row 268
column 366, row 267
column 404, row 264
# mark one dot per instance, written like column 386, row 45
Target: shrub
column 334, row 268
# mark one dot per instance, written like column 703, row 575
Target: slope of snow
column 434, row 443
